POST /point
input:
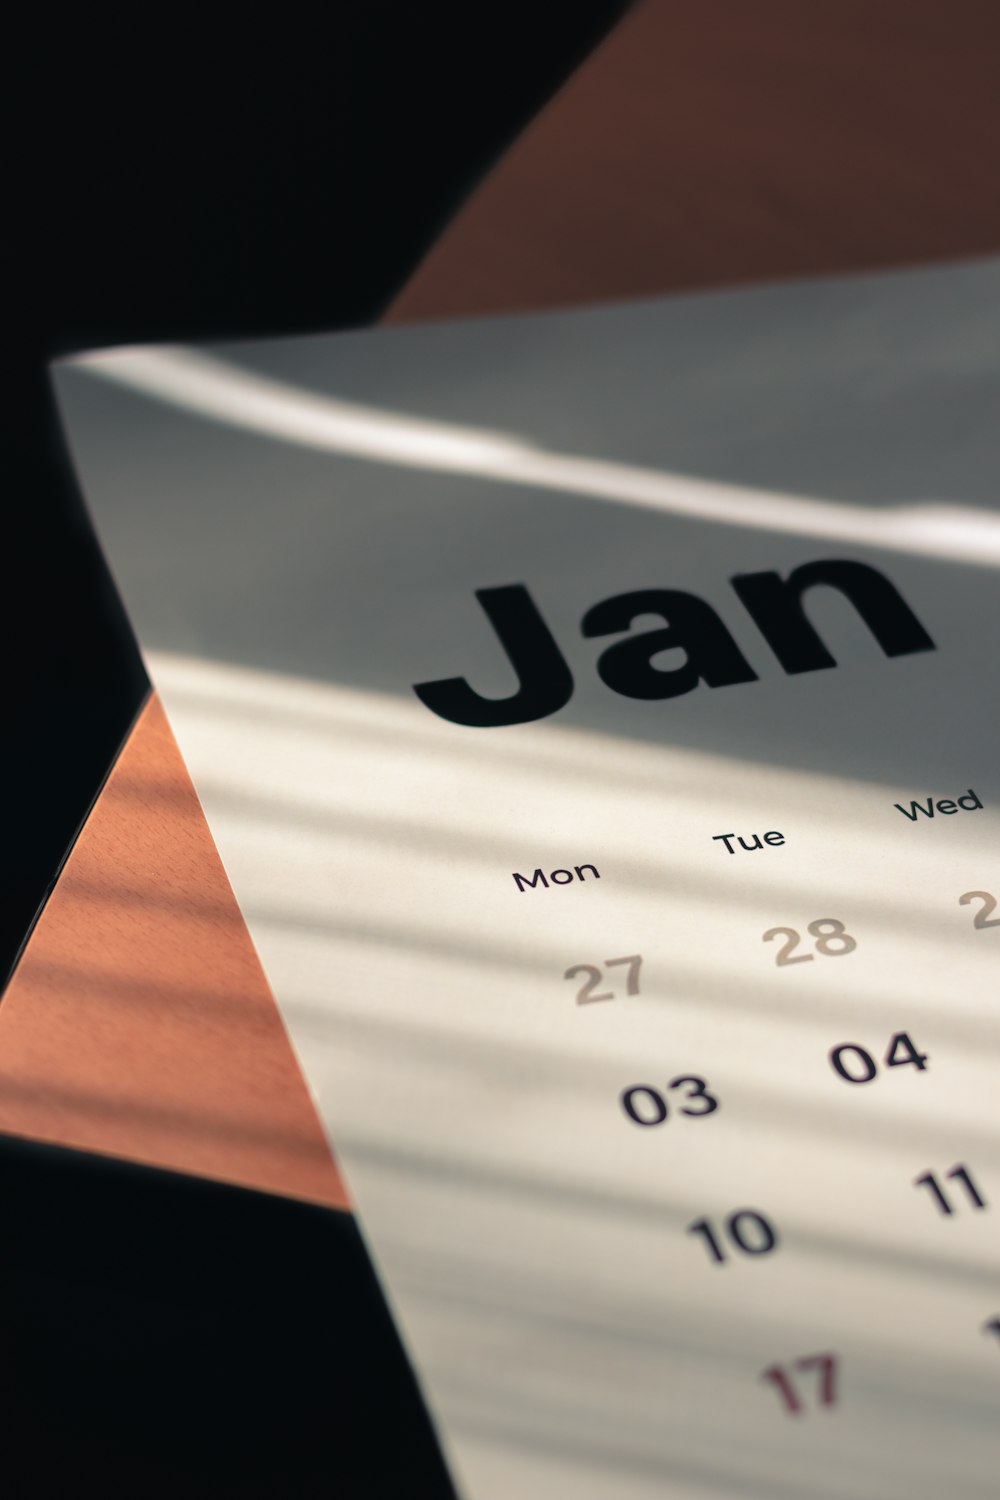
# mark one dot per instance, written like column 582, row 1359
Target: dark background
column 177, row 178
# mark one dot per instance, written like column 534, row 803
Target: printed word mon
column 556, row 877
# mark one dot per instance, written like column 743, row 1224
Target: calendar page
column 596, row 713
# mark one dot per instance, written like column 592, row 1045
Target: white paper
column 298, row 529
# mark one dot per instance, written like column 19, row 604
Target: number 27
column 585, row 995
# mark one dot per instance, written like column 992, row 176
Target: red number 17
column 826, row 1367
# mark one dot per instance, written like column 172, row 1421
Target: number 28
column 827, row 931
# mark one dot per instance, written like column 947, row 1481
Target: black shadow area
column 226, row 176
column 161, row 1336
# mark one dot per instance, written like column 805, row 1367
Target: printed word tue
column 773, row 838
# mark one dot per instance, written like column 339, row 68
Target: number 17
column 826, row 1367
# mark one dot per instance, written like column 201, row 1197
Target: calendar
column 596, row 713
